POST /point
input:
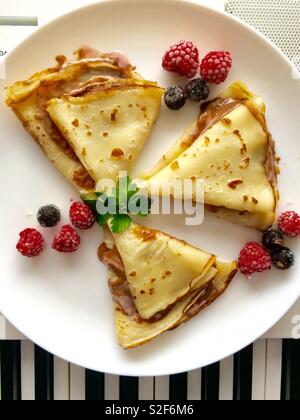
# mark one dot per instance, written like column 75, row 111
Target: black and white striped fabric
column 266, row 370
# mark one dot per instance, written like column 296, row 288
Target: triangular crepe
column 231, row 149
column 160, row 269
column 132, row 333
column 29, row 98
column 108, row 125
column 158, row 282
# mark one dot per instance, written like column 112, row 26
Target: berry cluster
column 31, row 242
column 196, row 90
column 256, row 258
column 183, row 58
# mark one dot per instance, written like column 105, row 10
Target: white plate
column 62, row 302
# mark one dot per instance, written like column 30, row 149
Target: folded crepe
column 158, row 282
column 108, row 124
column 88, row 71
column 232, row 150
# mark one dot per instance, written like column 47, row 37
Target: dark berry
column 197, row 90
column 48, row 216
column 272, row 239
column 283, row 258
column 175, row 97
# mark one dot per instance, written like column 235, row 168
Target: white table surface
column 46, row 11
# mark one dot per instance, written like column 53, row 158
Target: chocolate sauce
column 216, row 110
column 122, row 296
column 271, row 164
column 211, row 113
column 82, row 79
column 116, row 58
column 119, row 287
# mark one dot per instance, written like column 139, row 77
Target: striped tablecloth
column 267, row 370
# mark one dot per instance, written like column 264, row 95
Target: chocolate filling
column 216, row 110
column 85, row 79
column 270, row 163
column 116, row 58
column 211, row 113
column 109, row 86
column 121, row 294
column 119, row 287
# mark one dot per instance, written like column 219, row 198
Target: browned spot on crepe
column 175, row 166
column 234, row 183
column 118, row 154
column 245, row 163
column 75, row 123
column 226, row 121
column 113, row 115
column 207, row 141
column 147, row 235
column 83, row 179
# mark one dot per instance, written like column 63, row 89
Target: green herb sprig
column 125, row 196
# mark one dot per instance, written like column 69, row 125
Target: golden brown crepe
column 158, row 282
column 231, row 149
column 107, row 124
column 132, row 333
column 160, row 270
column 28, row 99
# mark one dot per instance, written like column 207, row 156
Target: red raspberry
column 82, row 216
column 31, row 243
column 182, row 58
column 67, row 240
column 215, row 66
column 254, row 259
column 289, row 223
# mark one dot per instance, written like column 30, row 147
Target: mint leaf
column 102, row 219
column 117, row 206
column 90, row 199
column 92, row 204
column 120, row 222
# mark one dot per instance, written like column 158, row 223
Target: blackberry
column 272, row 239
column 197, row 90
column 283, row 258
column 175, row 97
column 48, row 216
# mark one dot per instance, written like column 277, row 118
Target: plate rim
column 66, row 16
column 189, row 2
